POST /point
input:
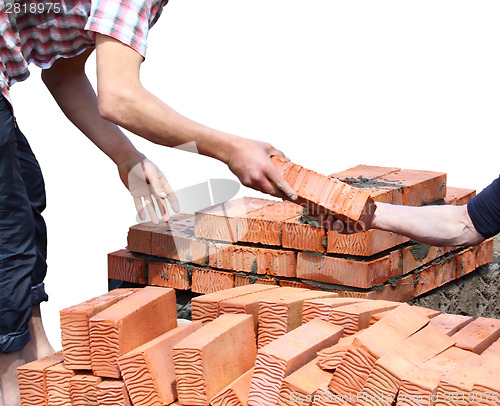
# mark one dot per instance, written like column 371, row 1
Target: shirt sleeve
column 484, row 210
column 125, row 20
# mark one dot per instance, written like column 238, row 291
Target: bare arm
column 123, row 100
column 435, row 225
column 69, row 85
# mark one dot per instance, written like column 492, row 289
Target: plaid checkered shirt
column 41, row 31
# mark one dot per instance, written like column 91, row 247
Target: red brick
column 356, row 316
column 220, row 222
column 169, row 275
column 210, row 281
column 208, row 361
column 149, row 370
column 304, row 237
column 421, row 383
column 347, row 272
column 450, row 323
column 419, row 187
column 236, row 393
column 297, row 284
column 436, row 275
column 83, row 389
column 419, row 254
column 478, row 335
column 430, row 313
column 264, row 226
column 299, row 387
column 320, row 308
column 139, row 237
column 285, row 355
column 176, row 241
column 279, row 315
column 389, row 370
column 458, row 196
column 57, row 380
column 126, row 325
column 321, row 194
column 112, row 393
column 242, row 280
column 365, row 243
column 123, row 266
column 373, row 343
column 207, row 307
column 254, row 260
column 360, row 172
column 329, row 358
column 75, row 330
column 32, row 379
column 484, row 253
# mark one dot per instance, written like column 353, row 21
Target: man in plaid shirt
column 59, row 36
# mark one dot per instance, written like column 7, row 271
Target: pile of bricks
column 252, row 240
column 264, row 345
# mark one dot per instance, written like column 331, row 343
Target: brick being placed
column 356, row 316
column 168, row 275
column 236, row 393
column 450, row 323
column 75, row 329
column 264, row 226
column 419, row 386
column 456, row 387
column 319, row 308
column 123, row 266
column 32, row 379
column 321, row 194
column 220, row 222
column 57, row 380
column 279, row 315
column 371, row 345
column 285, row 355
column 149, row 371
column 112, row 393
column 385, row 378
column 133, row 321
column 220, row 352
column 204, row 280
column 478, row 335
column 83, row 389
column 299, row 387
column 206, row 307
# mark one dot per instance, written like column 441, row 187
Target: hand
column 251, row 163
column 145, row 181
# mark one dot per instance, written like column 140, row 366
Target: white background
column 412, row 84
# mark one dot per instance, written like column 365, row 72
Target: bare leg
column 8, row 377
column 39, row 345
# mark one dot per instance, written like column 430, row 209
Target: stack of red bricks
column 252, row 240
column 264, row 345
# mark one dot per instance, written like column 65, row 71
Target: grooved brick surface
column 131, row 322
column 149, row 371
column 285, row 355
column 279, row 315
column 303, row 237
column 123, row 266
column 169, row 275
column 320, row 308
column 203, row 364
column 242, row 280
column 112, row 393
column 83, row 389
column 32, row 378
column 57, row 379
column 210, row 281
column 478, row 334
column 330, row 358
column 75, row 329
column 236, row 393
column 206, row 307
column 321, row 194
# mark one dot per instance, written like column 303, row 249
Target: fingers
column 139, row 207
column 280, row 183
column 151, row 209
column 172, row 198
column 162, row 205
column 160, row 186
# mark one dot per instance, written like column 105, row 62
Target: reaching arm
column 434, row 225
column 68, row 83
column 123, row 100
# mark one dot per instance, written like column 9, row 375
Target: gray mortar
column 420, row 251
column 476, row 294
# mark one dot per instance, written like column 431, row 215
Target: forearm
column 435, row 225
column 74, row 94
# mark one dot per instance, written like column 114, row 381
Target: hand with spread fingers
column 148, row 184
